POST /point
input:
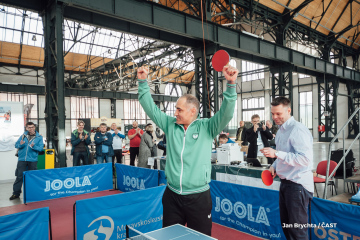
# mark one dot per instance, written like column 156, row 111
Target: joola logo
column 57, row 184
column 241, row 211
column 134, row 182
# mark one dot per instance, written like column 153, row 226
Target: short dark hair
column 281, row 100
column 223, row 136
column 255, row 116
column 29, row 124
column 103, row 124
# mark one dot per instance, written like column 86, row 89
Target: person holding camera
column 258, row 137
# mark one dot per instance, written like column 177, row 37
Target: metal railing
column 342, row 130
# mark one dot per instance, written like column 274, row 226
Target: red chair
column 321, row 170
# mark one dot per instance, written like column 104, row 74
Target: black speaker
column 336, row 156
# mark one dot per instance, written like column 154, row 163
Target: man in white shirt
column 294, row 161
column 117, row 143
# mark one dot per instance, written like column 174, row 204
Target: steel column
column 353, row 102
column 282, row 84
column 54, row 86
column 328, row 92
column 206, row 83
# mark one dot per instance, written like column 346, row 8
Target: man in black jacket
column 240, row 134
column 258, row 137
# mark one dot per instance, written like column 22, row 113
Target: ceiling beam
column 169, row 25
column 39, row 90
column 289, row 15
column 33, row 5
column 324, row 12
column 337, row 20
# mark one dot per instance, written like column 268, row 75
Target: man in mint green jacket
column 189, row 139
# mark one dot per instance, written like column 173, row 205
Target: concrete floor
column 320, row 153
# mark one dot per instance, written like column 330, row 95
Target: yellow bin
column 49, row 158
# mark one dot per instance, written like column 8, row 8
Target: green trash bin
column 41, row 161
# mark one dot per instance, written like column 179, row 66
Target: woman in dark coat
column 146, row 146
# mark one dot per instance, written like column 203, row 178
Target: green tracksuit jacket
column 188, row 164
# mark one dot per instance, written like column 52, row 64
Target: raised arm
column 147, row 102
column 219, row 121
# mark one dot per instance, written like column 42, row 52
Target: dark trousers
column 77, row 156
column 118, row 155
column 22, row 166
column 193, row 210
column 134, row 151
column 293, row 202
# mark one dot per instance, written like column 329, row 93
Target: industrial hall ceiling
column 91, row 53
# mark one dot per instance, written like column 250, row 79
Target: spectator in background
column 156, row 134
column 146, row 146
column 30, row 144
column 162, row 145
column 80, row 139
column 258, row 137
column 103, row 141
column 273, row 130
column 241, row 133
column 134, row 135
column 223, row 138
column 117, row 143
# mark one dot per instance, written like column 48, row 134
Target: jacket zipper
column 182, row 151
column 27, row 147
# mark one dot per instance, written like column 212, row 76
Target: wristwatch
column 276, row 153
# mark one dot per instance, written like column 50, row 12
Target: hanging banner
column 247, row 209
column 47, row 184
column 333, row 220
column 109, row 215
column 33, row 224
column 130, row 178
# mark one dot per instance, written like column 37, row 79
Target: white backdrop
column 10, row 130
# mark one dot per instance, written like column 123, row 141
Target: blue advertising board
column 109, row 215
column 162, row 178
column 333, row 220
column 48, row 184
column 247, row 209
column 32, row 224
column 130, row 178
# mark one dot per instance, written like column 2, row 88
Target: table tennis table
column 177, row 231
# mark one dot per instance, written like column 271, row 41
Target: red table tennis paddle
column 220, row 59
column 267, row 178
